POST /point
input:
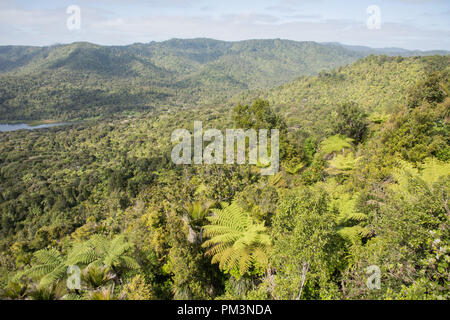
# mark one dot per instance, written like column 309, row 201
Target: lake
column 24, row 126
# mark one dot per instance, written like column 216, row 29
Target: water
column 24, row 126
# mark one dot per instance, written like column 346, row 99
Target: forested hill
column 84, row 80
column 390, row 51
column 378, row 84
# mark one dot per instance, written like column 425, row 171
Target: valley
column 363, row 180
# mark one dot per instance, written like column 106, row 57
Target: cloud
column 304, row 16
column 291, row 6
column 151, row 3
column 26, row 17
column 241, row 27
column 419, row 1
column 253, row 17
column 103, row 25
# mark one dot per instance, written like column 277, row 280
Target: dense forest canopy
column 364, row 179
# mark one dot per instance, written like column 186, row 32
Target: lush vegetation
column 82, row 80
column 364, row 181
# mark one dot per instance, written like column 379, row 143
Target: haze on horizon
column 408, row 24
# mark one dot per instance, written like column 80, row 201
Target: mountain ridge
column 82, row 79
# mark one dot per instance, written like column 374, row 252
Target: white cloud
column 44, row 27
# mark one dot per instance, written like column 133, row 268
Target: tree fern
column 336, row 143
column 100, row 251
column 197, row 212
column 293, row 166
column 349, row 219
column 342, row 164
column 275, row 180
column 195, row 218
column 432, row 170
column 50, row 266
column 104, row 294
column 235, row 240
column 96, row 277
column 55, row 291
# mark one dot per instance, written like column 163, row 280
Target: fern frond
column 336, row 143
column 235, row 240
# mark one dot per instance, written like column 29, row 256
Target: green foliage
column 349, row 219
column 429, row 90
column 52, row 292
column 375, row 84
column 100, row 251
column 350, row 121
column 257, row 116
column 137, row 289
column 304, row 236
column 49, row 267
column 104, row 294
column 14, row 291
column 235, row 240
column 293, row 166
column 105, row 195
column 192, row 275
column 95, row 277
column 260, row 200
column 420, row 133
column 197, row 212
column 335, row 143
column 99, row 254
column 412, row 220
column 83, row 80
column 342, row 164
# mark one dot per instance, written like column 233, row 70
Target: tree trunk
column 305, row 270
column 271, row 280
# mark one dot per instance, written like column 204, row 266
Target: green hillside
column 378, row 84
column 84, row 80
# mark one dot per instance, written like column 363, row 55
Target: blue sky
column 410, row 24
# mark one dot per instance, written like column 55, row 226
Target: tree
column 50, row 266
column 351, row 121
column 349, row 219
column 100, row 251
column 342, row 164
column 137, row 289
column 196, row 216
column 95, row 277
column 192, row 274
column 257, row 116
column 334, row 144
column 100, row 254
column 412, row 218
column 236, row 242
column 304, row 233
column 430, row 89
column 104, row 294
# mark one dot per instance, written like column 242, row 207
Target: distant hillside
column 84, row 80
column 379, row 84
column 389, row 51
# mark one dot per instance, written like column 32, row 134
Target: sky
column 409, row 24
